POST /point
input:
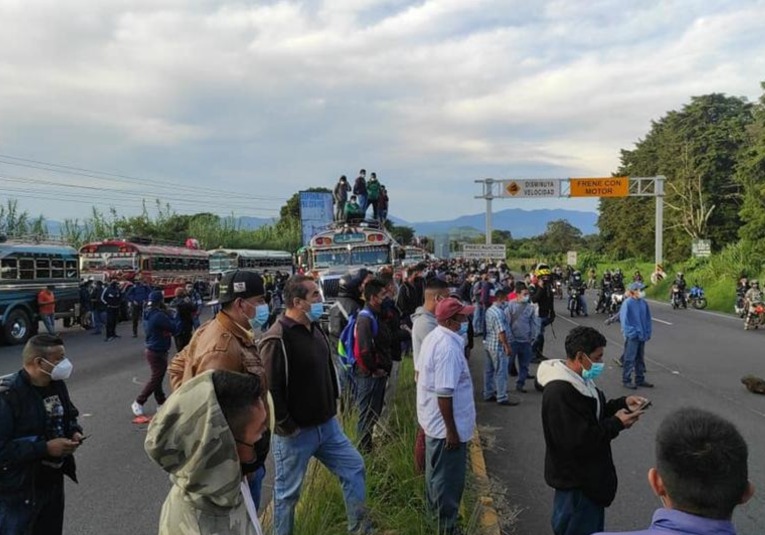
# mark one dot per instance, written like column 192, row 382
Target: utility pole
column 488, row 194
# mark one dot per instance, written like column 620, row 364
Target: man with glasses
column 303, row 384
column 39, row 434
column 227, row 342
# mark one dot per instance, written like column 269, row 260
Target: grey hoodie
column 556, row 370
column 423, row 322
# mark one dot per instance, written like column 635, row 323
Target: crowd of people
column 251, row 383
column 353, row 202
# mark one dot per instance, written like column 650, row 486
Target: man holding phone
column 39, row 434
column 579, row 425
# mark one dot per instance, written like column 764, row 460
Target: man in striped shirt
column 498, row 352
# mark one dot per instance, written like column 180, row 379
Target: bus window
column 9, row 268
column 27, row 269
column 145, row 264
column 43, row 268
column 58, row 268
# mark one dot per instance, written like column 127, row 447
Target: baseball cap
column 156, row 296
column 636, row 286
column 240, row 284
column 448, row 308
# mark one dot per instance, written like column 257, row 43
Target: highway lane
column 695, row 358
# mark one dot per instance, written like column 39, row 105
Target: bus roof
column 151, row 249
column 253, row 253
column 45, row 249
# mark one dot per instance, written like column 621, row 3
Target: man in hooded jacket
column 224, row 411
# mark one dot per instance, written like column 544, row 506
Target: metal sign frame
column 652, row 186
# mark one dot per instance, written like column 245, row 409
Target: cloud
column 271, row 97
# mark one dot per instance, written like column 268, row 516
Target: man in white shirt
column 446, row 412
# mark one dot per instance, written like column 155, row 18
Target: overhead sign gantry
column 610, row 187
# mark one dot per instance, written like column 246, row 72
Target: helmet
column 618, row 271
column 755, row 282
column 543, row 270
column 577, row 273
column 680, row 274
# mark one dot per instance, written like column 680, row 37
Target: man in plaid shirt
column 497, row 352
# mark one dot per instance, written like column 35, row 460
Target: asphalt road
column 694, row 359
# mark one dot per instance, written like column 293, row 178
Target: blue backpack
column 346, row 345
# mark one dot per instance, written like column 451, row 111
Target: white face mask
column 61, row 371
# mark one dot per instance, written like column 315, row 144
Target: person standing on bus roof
column 137, row 296
column 360, row 191
column 340, row 195
column 373, row 195
column 112, row 298
column 46, row 304
column 382, row 205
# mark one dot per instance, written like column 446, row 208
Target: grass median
column 395, row 493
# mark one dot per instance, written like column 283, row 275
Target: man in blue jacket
column 137, row 296
column 635, row 318
column 39, row 434
column 159, row 328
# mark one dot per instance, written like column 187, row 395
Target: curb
column 488, row 520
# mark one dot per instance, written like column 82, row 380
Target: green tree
column 559, row 237
column 751, row 176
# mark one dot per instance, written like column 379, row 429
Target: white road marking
column 661, row 321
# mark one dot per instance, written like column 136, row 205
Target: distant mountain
column 521, row 223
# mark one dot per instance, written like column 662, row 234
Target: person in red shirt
column 46, row 304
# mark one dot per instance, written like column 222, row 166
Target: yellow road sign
column 618, row 186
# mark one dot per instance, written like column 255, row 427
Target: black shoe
column 530, row 376
column 521, row 390
column 509, row 402
column 630, row 386
column 645, row 384
column 491, row 399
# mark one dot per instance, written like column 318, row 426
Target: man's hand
column 452, row 439
column 508, row 350
column 77, row 437
column 628, row 419
column 60, row 447
column 635, row 402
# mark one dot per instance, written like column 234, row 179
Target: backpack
column 346, row 345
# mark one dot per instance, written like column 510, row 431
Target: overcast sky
column 234, row 106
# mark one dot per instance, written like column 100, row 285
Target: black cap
column 240, row 284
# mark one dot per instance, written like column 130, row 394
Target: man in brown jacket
column 227, row 342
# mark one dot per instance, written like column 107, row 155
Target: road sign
column 531, row 188
column 474, row 251
column 701, row 248
column 618, row 186
column 571, row 258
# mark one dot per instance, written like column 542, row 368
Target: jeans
column 158, row 364
column 444, row 481
column 99, row 320
column 583, row 304
column 255, row 482
column 362, row 202
column 634, row 359
column 370, row 395
column 523, row 351
column 575, row 514
column 479, row 319
column 339, row 210
column 539, row 344
column 136, row 315
column 390, row 390
column 112, row 316
column 49, row 320
column 331, row 447
column 495, row 375
column 44, row 517
column 375, row 212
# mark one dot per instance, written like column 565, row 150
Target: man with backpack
column 373, row 361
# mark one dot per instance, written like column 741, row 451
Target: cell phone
column 82, row 438
column 645, row 405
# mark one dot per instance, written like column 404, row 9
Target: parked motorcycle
column 755, row 318
column 696, row 297
column 574, row 303
column 676, row 299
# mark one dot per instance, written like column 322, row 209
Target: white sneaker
column 137, row 408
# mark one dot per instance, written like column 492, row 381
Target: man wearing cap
column 227, row 342
column 635, row 318
column 446, row 412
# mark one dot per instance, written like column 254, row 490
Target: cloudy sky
column 234, row 106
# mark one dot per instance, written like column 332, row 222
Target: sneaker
column 630, row 386
column 137, row 408
column 645, row 384
column 509, row 402
column 492, row 398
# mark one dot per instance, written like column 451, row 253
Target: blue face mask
column 463, row 329
column 317, row 309
column 261, row 317
column 594, row 372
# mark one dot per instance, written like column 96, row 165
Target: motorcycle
column 574, row 303
column 677, row 300
column 558, row 289
column 696, row 297
column 603, row 303
column 755, row 318
column 616, row 303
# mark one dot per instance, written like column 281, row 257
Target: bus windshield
column 370, row 256
column 335, row 257
column 93, row 264
column 222, row 263
column 120, row 263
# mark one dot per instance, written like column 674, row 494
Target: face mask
column 260, row 318
column 594, row 372
column 463, row 329
column 525, row 299
column 317, row 309
column 641, row 294
column 388, row 303
column 61, row 371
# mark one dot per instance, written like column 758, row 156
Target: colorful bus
column 222, row 260
column 25, row 269
column 163, row 266
column 414, row 255
column 347, row 247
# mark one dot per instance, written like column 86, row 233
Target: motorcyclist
column 618, row 279
column 577, row 284
column 637, row 277
column 752, row 298
column 681, row 286
column 606, row 289
column 542, row 296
